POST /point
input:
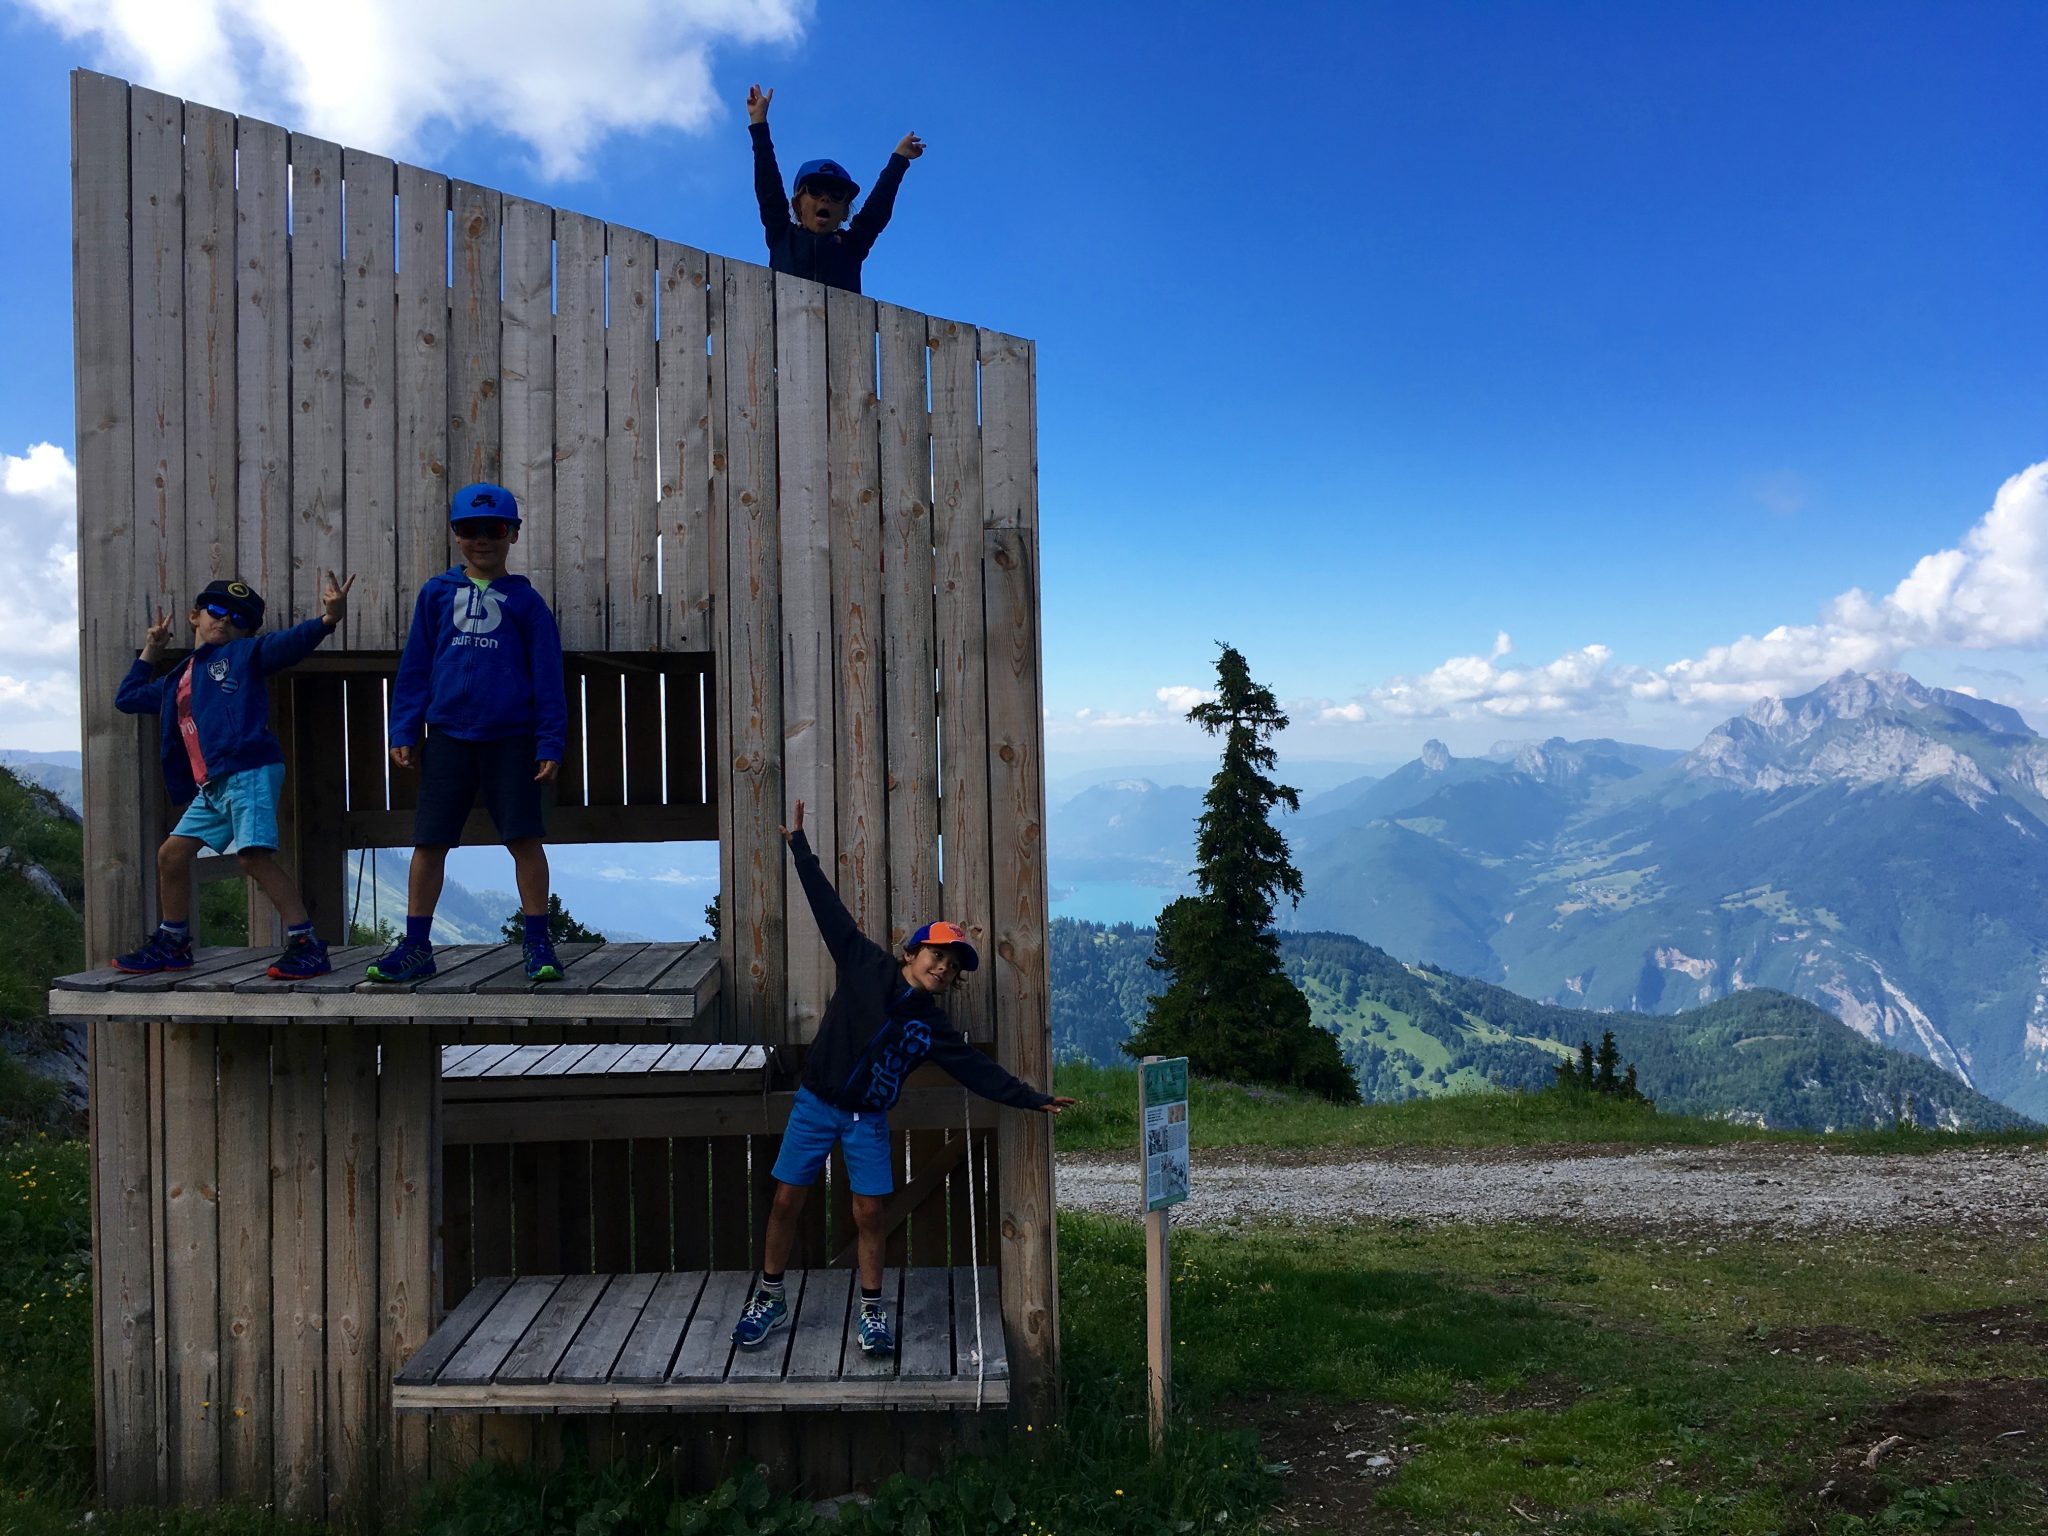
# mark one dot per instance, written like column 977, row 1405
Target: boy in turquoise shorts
column 222, row 763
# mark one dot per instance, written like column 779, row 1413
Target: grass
column 1512, row 1377
column 1229, row 1115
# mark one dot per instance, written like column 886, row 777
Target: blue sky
column 1480, row 371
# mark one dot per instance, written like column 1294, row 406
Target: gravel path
column 1742, row 1186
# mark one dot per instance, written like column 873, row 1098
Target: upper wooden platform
column 595, row 1343
column 599, row 981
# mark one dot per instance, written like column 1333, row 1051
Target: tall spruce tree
column 1230, row 1008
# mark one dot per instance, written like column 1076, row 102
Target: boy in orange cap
column 883, row 1021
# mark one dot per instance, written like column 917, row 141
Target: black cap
column 240, row 599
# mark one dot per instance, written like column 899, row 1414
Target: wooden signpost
column 1163, row 1115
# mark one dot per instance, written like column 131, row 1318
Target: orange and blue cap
column 952, row 936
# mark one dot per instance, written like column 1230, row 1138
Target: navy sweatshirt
column 481, row 666
column 878, row 1028
column 230, row 705
column 833, row 259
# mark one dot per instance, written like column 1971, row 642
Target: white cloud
column 1990, row 592
column 1181, row 698
column 375, row 73
column 1332, row 713
column 39, row 621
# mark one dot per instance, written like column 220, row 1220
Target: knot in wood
column 740, row 763
column 1007, row 753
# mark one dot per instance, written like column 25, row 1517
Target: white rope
column 973, row 1246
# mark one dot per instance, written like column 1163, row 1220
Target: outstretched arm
column 142, row 691
column 867, row 225
column 971, row 1069
column 768, row 190
column 843, row 939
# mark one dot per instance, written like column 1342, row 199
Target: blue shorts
column 238, row 809
column 815, row 1125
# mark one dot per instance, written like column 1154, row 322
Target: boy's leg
column 871, row 1239
column 424, row 880
column 530, row 874
column 174, row 877
column 784, row 1212
column 260, row 865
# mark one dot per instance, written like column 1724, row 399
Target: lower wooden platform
column 663, row 1342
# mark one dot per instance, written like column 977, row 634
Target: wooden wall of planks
column 288, row 354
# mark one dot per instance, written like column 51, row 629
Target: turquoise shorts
column 238, row 810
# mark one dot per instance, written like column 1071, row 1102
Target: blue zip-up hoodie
column 230, row 705
column 877, row 1028
column 481, row 666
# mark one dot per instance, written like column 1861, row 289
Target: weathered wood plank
column 632, row 467
column 427, row 1361
column 600, row 1341
column 369, row 371
column 553, row 1329
column 745, row 1397
column 690, row 1200
column 527, row 379
column 911, row 707
column 423, row 489
column 350, row 1414
column 319, row 536
column 191, row 1226
column 263, row 543
column 611, row 1236
column 690, row 480
column 652, row 1249
column 805, row 529
column 490, row 1224
column 646, row 964
column 978, row 1347
column 475, row 434
column 957, row 539
column 298, row 1271
column 707, row 1344
column 657, row 1333
column 820, row 1334
column 157, row 209
column 210, row 469
column 579, row 432
column 696, row 971
column 124, row 1235
column 243, row 1401
column 924, row 1332
column 604, row 780
column 511, row 977
column 407, row 1104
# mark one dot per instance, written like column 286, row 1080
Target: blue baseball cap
column 826, row 170
column 484, row 500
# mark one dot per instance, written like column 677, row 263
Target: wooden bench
column 600, row 1343
column 586, row 1070
column 599, row 981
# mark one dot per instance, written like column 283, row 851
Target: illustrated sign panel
column 1165, row 1104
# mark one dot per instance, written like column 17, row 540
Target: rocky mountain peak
column 1436, row 757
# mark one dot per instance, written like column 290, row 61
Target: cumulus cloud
column 376, row 73
column 1990, row 592
column 39, row 621
column 1181, row 698
column 1352, row 713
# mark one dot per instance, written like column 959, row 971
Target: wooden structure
column 791, row 538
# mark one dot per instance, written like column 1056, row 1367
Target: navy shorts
column 456, row 774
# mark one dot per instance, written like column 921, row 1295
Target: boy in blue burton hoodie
column 884, row 1020
column 222, row 763
column 805, row 238
column 483, row 668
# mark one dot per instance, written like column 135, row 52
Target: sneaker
column 541, row 964
column 410, row 961
column 303, row 957
column 875, row 1337
column 159, row 952
column 763, row 1315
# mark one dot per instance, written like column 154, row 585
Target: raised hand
column 910, row 147
column 757, row 103
column 334, row 598
column 158, row 639
column 796, row 821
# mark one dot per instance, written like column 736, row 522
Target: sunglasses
column 223, row 611
column 482, row 528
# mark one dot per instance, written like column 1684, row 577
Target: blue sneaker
column 159, row 952
column 763, row 1315
column 541, row 964
column 410, row 961
column 873, row 1328
column 303, row 957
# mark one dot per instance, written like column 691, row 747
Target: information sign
column 1166, row 1132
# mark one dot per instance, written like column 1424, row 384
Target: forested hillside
column 1759, row 1056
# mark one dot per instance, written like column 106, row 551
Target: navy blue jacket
column 481, row 666
column 878, row 1028
column 833, row 259
column 230, row 705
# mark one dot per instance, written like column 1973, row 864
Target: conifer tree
column 1229, row 1007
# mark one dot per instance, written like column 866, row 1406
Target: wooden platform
column 654, row 1342
column 587, row 1071
column 599, row 981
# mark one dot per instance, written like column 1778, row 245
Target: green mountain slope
column 1410, row 1031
